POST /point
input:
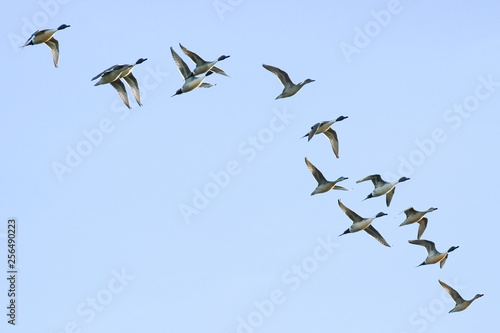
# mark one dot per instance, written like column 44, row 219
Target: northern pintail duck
column 325, row 128
column 112, row 76
column 191, row 81
column 413, row 216
column 289, row 88
column 323, row 184
column 382, row 187
column 461, row 304
column 126, row 74
column 433, row 256
column 203, row 66
column 46, row 36
column 361, row 223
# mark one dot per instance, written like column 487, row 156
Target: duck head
column 369, row 195
column 222, row 57
column 345, row 232
column 63, row 26
column 341, row 118
column 307, row 81
column 178, row 92
column 478, row 296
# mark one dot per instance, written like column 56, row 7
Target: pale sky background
column 255, row 256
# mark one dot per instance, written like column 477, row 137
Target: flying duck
column 323, row 184
column 203, row 66
column 461, row 304
column 382, row 187
column 190, row 80
column 289, row 88
column 46, row 36
column 413, row 216
column 361, row 223
column 433, row 256
column 112, row 76
column 325, row 128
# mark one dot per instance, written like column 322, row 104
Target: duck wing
column 334, row 141
column 120, row 87
column 282, row 75
column 422, row 224
column 181, row 65
column 375, row 234
column 193, row 56
column 350, row 214
column 389, row 195
column 218, row 71
column 316, row 173
column 453, row 293
column 132, row 83
column 54, row 48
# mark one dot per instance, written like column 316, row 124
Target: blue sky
column 193, row 213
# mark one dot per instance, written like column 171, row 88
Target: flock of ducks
column 195, row 78
column 382, row 187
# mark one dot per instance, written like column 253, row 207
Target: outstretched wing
column 334, row 141
column 375, row 234
column 315, row 172
column 453, row 293
column 282, row 75
column 350, row 214
column 181, row 65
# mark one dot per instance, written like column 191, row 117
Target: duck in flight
column 112, row 76
column 413, row 216
column 289, row 88
column 46, row 36
column 461, row 304
column 433, row 256
column 360, row 223
column 191, row 81
column 203, row 66
column 325, row 128
column 323, row 184
column 382, row 187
